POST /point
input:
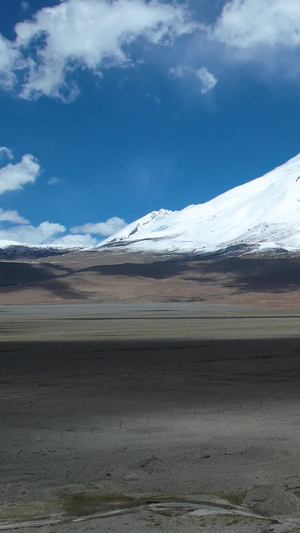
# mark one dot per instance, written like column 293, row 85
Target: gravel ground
column 142, row 422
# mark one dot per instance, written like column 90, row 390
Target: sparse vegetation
column 233, row 521
column 83, row 503
column 234, row 497
column 28, row 511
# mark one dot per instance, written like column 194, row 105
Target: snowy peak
column 136, row 228
column 263, row 213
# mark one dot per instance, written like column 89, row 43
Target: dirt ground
column 129, row 418
column 104, row 276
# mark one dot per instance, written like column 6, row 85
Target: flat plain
column 150, row 417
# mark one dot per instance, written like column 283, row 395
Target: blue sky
column 110, row 110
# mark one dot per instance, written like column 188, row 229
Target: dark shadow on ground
column 15, row 276
column 251, row 274
column 12, row 273
column 156, row 270
column 239, row 274
column 209, row 358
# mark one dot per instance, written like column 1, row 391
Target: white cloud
column 9, row 57
column 5, row 52
column 111, row 226
column 5, row 153
column 12, row 216
column 15, row 228
column 46, row 233
column 251, row 23
column 93, row 34
column 76, row 240
column 207, row 78
column 14, row 177
column 179, row 72
column 208, row 81
column 28, row 234
column 51, row 48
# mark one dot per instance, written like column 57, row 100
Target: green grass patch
column 234, row 497
column 84, row 503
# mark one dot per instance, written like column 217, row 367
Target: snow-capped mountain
column 263, row 214
column 14, row 250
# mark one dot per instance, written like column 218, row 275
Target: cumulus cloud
column 10, row 60
column 206, row 78
column 111, row 226
column 250, row 23
column 51, row 48
column 56, row 234
column 15, row 228
column 28, row 234
column 46, row 233
column 12, row 216
column 93, row 34
column 261, row 33
column 75, row 240
column 264, row 34
column 15, row 176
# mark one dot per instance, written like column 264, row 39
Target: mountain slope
column 14, row 250
column 261, row 214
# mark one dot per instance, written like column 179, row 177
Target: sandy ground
column 149, row 417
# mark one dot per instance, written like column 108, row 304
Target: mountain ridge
column 263, row 214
